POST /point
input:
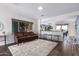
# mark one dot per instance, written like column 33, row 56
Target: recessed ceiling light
column 40, row 8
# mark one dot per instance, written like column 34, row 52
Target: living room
column 21, row 20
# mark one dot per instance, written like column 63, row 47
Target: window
column 21, row 26
column 46, row 27
column 58, row 27
column 62, row 27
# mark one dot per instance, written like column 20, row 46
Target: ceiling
column 50, row 9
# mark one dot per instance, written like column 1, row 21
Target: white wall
column 71, row 28
column 77, row 29
column 6, row 15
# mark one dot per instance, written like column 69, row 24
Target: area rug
column 37, row 47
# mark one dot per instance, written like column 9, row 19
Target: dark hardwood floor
column 66, row 48
column 4, row 51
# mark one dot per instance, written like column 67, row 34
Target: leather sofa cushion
column 31, row 33
column 19, row 34
column 25, row 34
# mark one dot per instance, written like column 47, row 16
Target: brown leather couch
column 25, row 36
